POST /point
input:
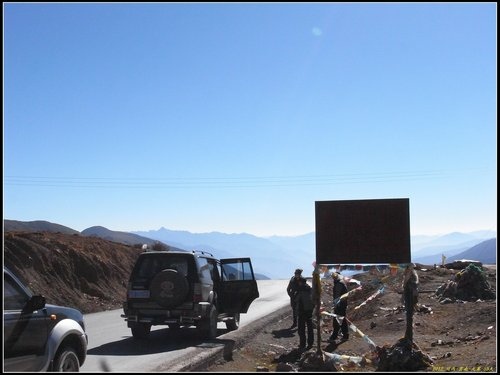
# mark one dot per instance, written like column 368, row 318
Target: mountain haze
column 277, row 256
column 272, row 257
column 268, row 258
column 429, row 252
column 36, row 226
column 485, row 252
column 126, row 238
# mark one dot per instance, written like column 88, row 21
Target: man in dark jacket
column 340, row 308
column 305, row 307
column 291, row 289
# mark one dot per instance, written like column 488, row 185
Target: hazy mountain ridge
column 484, row 251
column 126, row 238
column 267, row 257
column 418, row 243
column 305, row 241
column 274, row 256
column 36, row 226
column 452, row 244
column 299, row 251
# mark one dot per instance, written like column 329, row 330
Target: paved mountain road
column 112, row 348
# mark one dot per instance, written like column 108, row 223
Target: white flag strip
column 345, row 295
column 365, row 338
column 345, row 359
column 351, row 280
column 338, row 317
column 378, row 292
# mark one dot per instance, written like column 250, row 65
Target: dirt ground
column 91, row 274
column 457, row 336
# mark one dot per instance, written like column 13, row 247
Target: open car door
column 238, row 286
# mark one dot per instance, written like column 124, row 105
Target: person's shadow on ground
column 282, row 333
column 290, row 356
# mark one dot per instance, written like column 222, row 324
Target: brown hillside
column 87, row 273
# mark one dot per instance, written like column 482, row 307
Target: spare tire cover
column 169, row 288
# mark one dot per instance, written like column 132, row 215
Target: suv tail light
column 197, row 297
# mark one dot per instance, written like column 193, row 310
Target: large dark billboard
column 363, row 231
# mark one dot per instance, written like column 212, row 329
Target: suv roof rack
column 202, row 252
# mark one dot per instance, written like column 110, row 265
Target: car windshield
column 14, row 297
column 20, row 281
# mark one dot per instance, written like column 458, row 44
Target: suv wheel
column 66, row 360
column 169, row 288
column 209, row 325
column 140, row 330
column 233, row 323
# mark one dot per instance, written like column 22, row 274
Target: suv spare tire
column 169, row 288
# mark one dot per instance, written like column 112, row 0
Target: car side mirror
column 36, row 303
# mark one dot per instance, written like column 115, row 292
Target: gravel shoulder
column 225, row 347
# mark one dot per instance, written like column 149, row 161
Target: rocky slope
column 87, row 273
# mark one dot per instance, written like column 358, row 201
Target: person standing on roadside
column 305, row 307
column 291, row 289
column 340, row 309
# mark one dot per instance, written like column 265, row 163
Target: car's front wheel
column 66, row 360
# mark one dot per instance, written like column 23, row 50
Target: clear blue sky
column 238, row 117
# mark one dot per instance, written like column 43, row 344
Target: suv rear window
column 149, row 265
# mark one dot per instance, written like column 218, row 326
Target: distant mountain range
column 452, row 245
column 126, row 238
column 269, row 257
column 277, row 256
column 484, row 251
column 36, row 226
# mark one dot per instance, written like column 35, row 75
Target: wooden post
column 409, row 315
column 410, row 294
column 317, row 302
